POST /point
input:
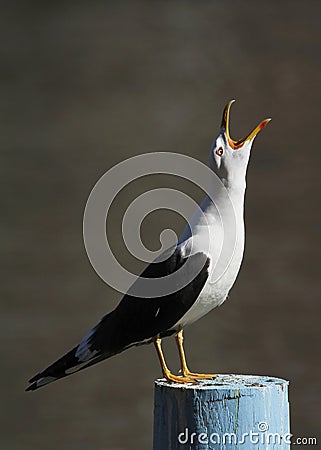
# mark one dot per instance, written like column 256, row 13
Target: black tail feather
column 63, row 367
column 55, row 371
column 87, row 353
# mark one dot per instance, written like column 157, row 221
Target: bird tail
column 83, row 355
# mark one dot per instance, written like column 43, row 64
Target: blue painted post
column 230, row 412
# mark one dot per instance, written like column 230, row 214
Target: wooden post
column 229, row 412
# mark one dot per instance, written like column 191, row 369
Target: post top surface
column 228, row 381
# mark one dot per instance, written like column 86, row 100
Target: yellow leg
column 166, row 372
column 185, row 371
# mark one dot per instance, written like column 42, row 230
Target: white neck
column 223, row 191
column 224, row 198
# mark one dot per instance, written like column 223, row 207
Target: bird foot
column 178, row 378
column 199, row 376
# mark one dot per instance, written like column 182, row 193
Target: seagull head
column 229, row 158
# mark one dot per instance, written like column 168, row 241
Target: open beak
column 225, row 128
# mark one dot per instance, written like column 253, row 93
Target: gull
column 139, row 320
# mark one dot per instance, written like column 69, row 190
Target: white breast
column 214, row 293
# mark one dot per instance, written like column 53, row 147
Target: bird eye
column 219, row 151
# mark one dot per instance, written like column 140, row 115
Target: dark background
column 85, row 85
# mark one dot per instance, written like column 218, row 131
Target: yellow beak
column 225, row 126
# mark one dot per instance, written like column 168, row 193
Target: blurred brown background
column 85, row 85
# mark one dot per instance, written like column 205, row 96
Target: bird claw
column 179, row 378
column 199, row 376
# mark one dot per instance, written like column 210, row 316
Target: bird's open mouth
column 225, row 127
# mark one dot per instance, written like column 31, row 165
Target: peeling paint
column 237, row 408
column 216, row 407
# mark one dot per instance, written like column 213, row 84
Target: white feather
column 83, row 352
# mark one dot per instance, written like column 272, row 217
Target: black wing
column 135, row 320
